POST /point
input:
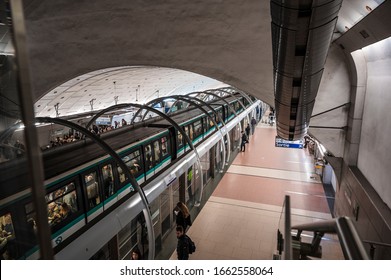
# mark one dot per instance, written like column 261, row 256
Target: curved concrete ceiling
column 228, row 40
column 103, row 88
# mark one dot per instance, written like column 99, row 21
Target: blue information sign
column 297, row 144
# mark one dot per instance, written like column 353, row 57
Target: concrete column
column 357, row 99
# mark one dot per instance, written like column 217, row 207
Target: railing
column 285, row 244
column 373, row 247
column 351, row 244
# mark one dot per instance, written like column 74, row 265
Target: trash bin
column 319, row 165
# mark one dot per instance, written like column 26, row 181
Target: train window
column 191, row 132
column 236, row 106
column 187, row 131
column 179, row 140
column 7, row 235
column 30, row 215
column 156, row 149
column 219, row 116
column 132, row 161
column 164, row 143
column 205, row 124
column 7, row 226
column 197, row 129
column 92, row 186
column 108, row 184
column 61, row 204
column 148, row 157
column 122, row 177
column 135, row 163
column 211, row 124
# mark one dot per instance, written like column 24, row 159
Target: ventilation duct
column 301, row 35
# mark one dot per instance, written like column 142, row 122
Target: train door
column 175, row 197
column 93, row 194
column 190, row 188
column 156, row 221
column 133, row 235
column 198, row 134
column 108, row 184
column 236, row 137
column 135, row 165
column 166, row 211
column 180, row 144
column 173, row 145
column 149, row 161
column 205, row 163
column 157, row 155
column 218, row 157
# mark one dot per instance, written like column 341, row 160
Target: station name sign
column 282, row 143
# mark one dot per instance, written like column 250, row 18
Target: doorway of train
column 133, row 236
column 218, row 150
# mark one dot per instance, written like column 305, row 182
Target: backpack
column 192, row 246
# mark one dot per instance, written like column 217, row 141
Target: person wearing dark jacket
column 183, row 217
column 248, row 129
column 182, row 248
column 244, row 141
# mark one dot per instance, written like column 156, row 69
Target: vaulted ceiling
column 92, row 54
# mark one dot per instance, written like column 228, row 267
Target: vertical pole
column 287, row 232
column 33, row 152
column 372, row 252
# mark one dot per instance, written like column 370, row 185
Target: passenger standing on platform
column 136, row 254
column 248, row 129
column 182, row 248
column 183, row 217
column 271, row 118
column 253, row 124
column 244, row 141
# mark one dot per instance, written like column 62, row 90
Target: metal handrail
column 373, row 248
column 351, row 244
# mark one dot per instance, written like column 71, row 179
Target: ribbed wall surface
column 301, row 36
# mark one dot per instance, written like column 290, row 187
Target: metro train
column 89, row 198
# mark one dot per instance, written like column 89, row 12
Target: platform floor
column 241, row 218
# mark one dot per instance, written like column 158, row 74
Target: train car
column 89, row 198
